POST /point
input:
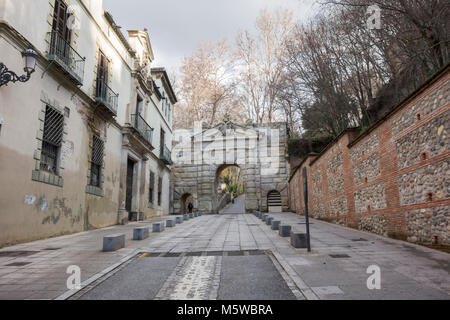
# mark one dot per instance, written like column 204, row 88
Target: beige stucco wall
column 31, row 210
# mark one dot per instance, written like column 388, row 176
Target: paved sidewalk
column 407, row 271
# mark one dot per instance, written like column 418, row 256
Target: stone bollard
column 298, row 240
column 276, row 225
column 140, row 233
column 191, row 215
column 113, row 242
column 285, row 231
column 179, row 220
column 158, row 227
column 269, row 221
column 195, row 214
column 170, row 223
column 185, row 217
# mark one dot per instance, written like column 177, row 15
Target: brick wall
column 392, row 180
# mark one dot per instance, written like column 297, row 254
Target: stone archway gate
column 259, row 150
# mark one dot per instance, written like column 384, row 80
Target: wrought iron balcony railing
column 166, row 155
column 142, row 127
column 66, row 57
column 105, row 96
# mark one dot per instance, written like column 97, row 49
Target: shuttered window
column 151, row 191
column 60, row 20
column 52, row 140
column 102, row 76
column 159, row 191
column 96, row 162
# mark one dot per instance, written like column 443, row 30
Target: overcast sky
column 177, row 26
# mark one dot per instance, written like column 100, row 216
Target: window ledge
column 96, row 191
column 47, row 177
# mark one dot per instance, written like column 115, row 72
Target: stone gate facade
column 260, row 151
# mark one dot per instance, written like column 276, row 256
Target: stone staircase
column 274, row 202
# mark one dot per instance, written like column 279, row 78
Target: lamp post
column 29, row 58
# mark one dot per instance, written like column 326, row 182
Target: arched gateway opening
column 230, row 189
column 186, row 199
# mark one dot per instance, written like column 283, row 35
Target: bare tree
column 260, row 58
column 324, row 76
column 207, row 86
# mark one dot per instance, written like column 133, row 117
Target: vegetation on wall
column 233, row 181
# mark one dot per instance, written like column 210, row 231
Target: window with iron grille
column 159, row 191
column 96, row 162
column 151, row 188
column 51, row 140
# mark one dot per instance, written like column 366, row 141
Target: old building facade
column 86, row 142
column 258, row 150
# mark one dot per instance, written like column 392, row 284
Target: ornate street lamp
column 29, row 58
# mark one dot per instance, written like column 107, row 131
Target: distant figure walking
column 190, row 207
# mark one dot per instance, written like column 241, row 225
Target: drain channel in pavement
column 18, row 264
column 17, row 253
column 339, row 256
column 202, row 253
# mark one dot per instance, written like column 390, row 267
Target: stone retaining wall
column 393, row 179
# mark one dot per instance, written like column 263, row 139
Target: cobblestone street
column 226, row 256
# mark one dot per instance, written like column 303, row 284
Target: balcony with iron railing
column 142, row 127
column 66, row 57
column 106, row 97
column 166, row 156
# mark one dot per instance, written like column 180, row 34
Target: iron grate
column 17, row 253
column 339, row 256
column 360, row 239
column 172, row 255
column 18, row 264
column 97, row 151
column 204, row 253
column 53, row 126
